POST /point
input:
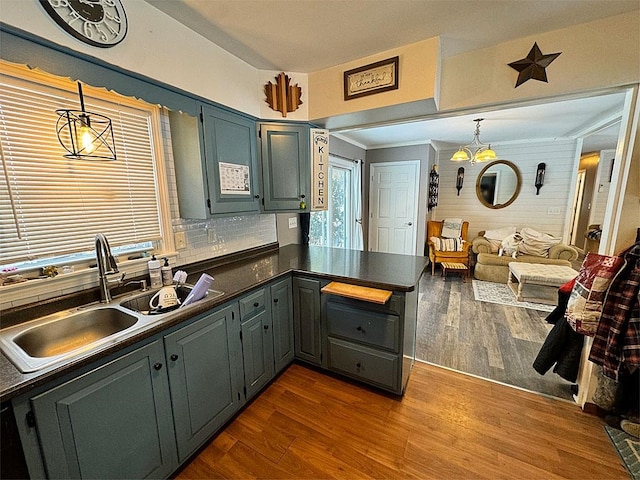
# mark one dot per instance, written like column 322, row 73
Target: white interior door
column 393, row 198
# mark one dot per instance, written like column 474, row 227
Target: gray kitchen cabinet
column 216, row 163
column 257, row 341
column 285, row 166
column 112, row 422
column 369, row 342
column 205, row 375
column 282, row 318
column 306, row 315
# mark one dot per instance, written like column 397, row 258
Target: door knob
column 174, row 357
column 410, row 223
column 157, row 366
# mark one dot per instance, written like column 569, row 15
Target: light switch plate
column 181, row 240
column 293, row 222
column 553, row 211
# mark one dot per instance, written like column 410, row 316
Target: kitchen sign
column 320, row 168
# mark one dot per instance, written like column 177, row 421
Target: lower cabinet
column 257, row 353
column 370, row 342
column 205, row 375
column 282, row 318
column 307, row 326
column 112, row 422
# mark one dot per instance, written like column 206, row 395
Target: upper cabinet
column 285, row 166
column 216, row 163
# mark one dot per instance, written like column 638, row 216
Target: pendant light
column 85, row 135
column 476, row 151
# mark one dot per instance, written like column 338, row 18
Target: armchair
column 434, row 229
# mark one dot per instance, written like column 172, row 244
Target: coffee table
column 542, row 280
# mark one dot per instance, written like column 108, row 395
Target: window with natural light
column 51, row 207
column 339, row 225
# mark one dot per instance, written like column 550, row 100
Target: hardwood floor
column 488, row 340
column 308, row 424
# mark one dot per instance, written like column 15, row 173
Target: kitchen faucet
column 106, row 266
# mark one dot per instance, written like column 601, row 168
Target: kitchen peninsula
column 224, row 350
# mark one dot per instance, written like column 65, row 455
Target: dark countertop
column 399, row 273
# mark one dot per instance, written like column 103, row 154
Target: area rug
column 628, row 449
column 500, row 293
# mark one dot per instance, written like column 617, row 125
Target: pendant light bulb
column 86, row 137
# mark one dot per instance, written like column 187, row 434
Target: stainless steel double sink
column 63, row 336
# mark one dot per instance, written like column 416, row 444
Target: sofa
column 493, row 268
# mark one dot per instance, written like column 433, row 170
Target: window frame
column 165, row 245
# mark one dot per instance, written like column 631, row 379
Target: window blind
column 51, row 205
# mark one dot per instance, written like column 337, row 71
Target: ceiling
column 596, row 119
column 310, row 35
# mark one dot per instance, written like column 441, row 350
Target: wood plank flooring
column 308, row 424
column 491, row 341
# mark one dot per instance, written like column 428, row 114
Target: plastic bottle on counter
column 155, row 273
column 167, row 273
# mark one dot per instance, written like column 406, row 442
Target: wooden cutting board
column 367, row 294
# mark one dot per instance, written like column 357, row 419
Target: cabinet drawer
column 372, row 366
column 378, row 329
column 253, row 304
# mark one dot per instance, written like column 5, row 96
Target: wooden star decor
column 282, row 96
column 533, row 66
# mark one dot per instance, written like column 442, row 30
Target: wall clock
column 101, row 23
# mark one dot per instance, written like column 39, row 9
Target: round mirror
column 498, row 184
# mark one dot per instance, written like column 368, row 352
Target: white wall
column 529, row 209
column 161, row 48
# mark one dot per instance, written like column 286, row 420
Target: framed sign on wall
column 373, row 78
column 320, row 168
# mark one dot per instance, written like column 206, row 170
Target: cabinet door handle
column 358, row 365
column 256, row 197
column 275, row 300
column 256, row 304
column 266, row 327
column 174, row 357
column 359, row 329
column 302, row 196
column 157, row 366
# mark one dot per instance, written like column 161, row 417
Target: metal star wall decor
column 533, row 66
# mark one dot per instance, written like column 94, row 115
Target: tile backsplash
column 221, row 236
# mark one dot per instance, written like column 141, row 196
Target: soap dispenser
column 167, row 274
column 155, row 274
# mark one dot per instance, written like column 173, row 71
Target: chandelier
column 85, row 135
column 476, row 151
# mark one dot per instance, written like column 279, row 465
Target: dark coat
column 563, row 347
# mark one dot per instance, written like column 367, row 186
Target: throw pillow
column 451, row 227
column 447, row 244
column 495, row 237
column 536, row 243
column 589, row 290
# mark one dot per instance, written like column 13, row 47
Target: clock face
column 101, row 23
